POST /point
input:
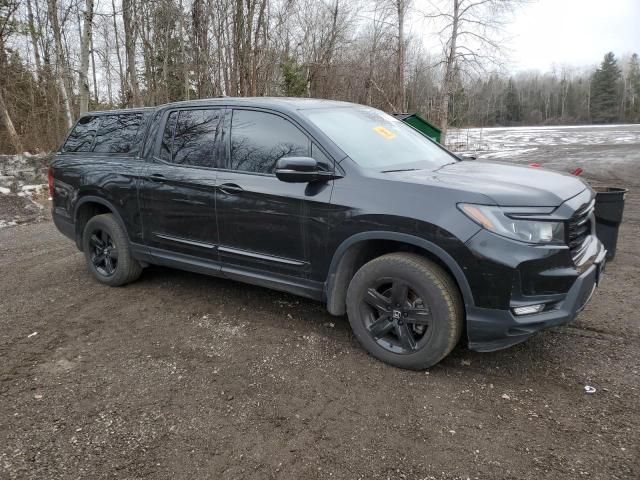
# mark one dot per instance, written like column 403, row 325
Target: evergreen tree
column 458, row 102
column 512, row 103
column 294, row 80
column 605, row 90
column 633, row 85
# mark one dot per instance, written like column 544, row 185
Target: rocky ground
column 23, row 189
column 184, row 376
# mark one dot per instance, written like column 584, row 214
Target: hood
column 504, row 184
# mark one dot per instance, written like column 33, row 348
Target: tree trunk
column 185, row 64
column 401, row 98
column 34, row 39
column 93, row 70
column 123, row 80
column 447, row 84
column 60, row 60
column 130, row 49
column 85, row 50
column 6, row 121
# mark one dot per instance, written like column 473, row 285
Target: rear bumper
column 492, row 329
column 65, row 225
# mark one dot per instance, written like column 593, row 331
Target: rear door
column 177, row 188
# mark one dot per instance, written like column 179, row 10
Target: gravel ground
column 185, row 376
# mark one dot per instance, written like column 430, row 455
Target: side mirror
column 301, row 170
column 467, row 157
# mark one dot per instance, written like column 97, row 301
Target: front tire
column 107, row 252
column 405, row 310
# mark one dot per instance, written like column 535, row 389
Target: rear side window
column 81, row 137
column 194, row 142
column 117, row 133
column 167, row 136
column 259, row 140
column 191, row 137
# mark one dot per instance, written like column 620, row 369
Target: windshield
column 376, row 140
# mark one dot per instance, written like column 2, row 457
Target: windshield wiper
column 401, row 170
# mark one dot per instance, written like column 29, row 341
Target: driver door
column 264, row 223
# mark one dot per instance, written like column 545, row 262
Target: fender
column 101, row 201
column 431, row 247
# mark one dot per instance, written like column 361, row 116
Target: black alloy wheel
column 405, row 310
column 107, row 251
column 395, row 316
column 104, row 253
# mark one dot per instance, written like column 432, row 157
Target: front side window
column 259, row 140
column 81, row 137
column 117, row 133
column 376, row 140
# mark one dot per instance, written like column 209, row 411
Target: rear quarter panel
column 89, row 177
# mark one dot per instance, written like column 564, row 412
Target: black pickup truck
column 337, row 202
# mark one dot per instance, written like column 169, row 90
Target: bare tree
column 121, row 72
column 34, row 38
column 85, row 49
column 130, row 49
column 470, row 31
column 402, row 7
column 7, row 24
column 60, row 61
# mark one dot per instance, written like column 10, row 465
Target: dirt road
column 184, row 376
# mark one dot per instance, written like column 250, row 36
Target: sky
column 573, row 32
column 542, row 34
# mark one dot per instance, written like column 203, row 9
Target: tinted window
column 194, row 142
column 81, row 137
column 319, row 156
column 167, row 137
column 117, row 133
column 259, row 140
column 153, row 135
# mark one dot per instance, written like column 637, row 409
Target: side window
column 259, row 140
column 117, row 133
column 194, row 142
column 167, row 137
column 323, row 161
column 81, row 137
column 152, row 135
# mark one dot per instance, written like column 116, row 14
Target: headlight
column 497, row 221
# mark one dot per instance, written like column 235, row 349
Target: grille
column 579, row 229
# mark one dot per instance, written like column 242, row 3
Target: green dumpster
column 419, row 123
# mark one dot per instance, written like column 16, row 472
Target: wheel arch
column 360, row 248
column 89, row 206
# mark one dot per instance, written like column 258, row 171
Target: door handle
column 230, row 188
column 156, row 177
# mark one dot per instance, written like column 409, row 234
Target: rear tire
column 405, row 310
column 107, row 252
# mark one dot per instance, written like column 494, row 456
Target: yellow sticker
column 383, row 132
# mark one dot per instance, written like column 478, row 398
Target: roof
column 119, row 110
column 290, row 103
column 277, row 103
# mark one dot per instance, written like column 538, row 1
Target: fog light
column 529, row 309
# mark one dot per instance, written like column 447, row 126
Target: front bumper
column 491, row 329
